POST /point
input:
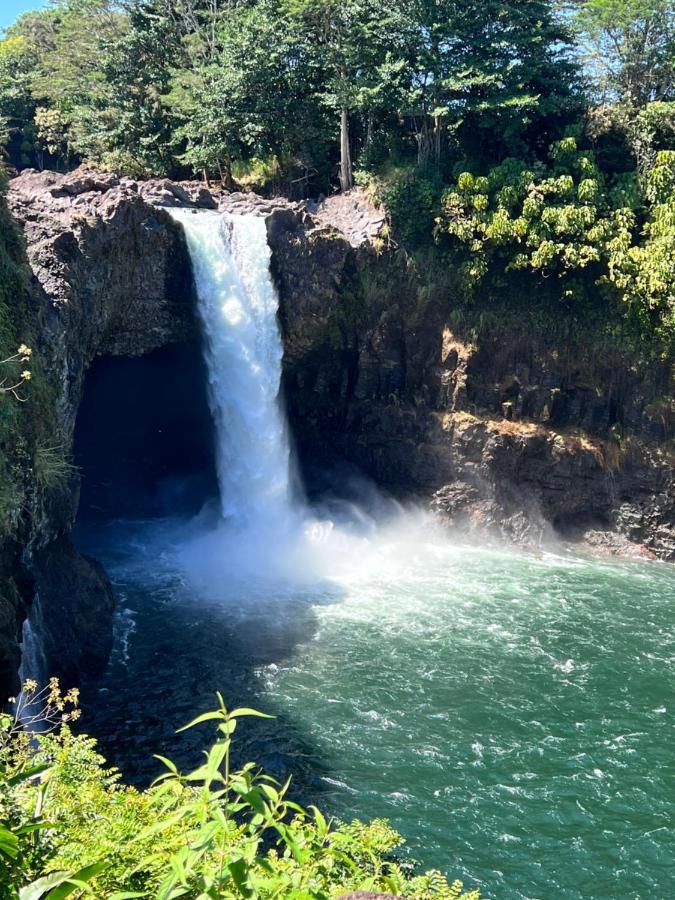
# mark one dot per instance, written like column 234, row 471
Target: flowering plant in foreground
column 22, row 355
column 69, row 827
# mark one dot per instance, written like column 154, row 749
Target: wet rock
column 75, row 602
column 612, row 543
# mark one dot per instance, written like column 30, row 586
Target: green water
column 511, row 715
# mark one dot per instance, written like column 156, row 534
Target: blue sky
column 10, row 9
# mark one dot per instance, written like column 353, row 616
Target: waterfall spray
column 262, row 535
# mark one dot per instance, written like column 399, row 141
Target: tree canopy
column 416, row 98
column 173, row 85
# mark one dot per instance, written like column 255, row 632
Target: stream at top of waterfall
column 511, row 714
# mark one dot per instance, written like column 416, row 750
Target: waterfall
column 33, row 663
column 262, row 538
column 238, row 304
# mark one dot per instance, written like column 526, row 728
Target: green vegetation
column 51, row 468
column 189, row 86
column 562, row 114
column 27, row 419
column 581, row 236
column 69, row 827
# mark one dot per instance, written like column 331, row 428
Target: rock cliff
column 506, row 434
column 111, row 275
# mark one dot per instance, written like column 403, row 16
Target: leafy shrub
column 411, row 199
column 553, row 220
column 645, row 272
column 579, row 238
column 68, row 825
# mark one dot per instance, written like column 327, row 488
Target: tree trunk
column 370, row 132
column 424, row 143
column 438, row 137
column 346, row 179
column 229, row 180
column 225, row 173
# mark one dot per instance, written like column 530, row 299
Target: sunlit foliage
column 69, row 825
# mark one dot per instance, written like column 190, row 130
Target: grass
column 51, row 467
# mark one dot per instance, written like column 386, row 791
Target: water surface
column 511, row 715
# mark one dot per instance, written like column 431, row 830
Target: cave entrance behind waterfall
column 143, row 438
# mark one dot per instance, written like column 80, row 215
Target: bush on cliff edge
column 70, row 827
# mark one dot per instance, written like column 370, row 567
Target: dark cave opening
column 144, row 436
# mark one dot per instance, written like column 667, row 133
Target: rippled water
column 511, row 715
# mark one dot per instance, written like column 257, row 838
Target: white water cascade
column 238, row 305
column 265, row 535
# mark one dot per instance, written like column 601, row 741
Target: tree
column 16, row 105
column 628, row 47
column 431, row 55
column 357, row 45
column 513, row 86
column 51, row 79
column 130, row 126
column 494, row 74
column 69, row 77
column 242, row 88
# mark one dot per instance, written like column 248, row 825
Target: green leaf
column 127, row 895
column 246, row 711
column 30, row 828
column 205, row 717
column 171, row 766
column 77, row 881
column 177, row 864
column 228, row 727
column 24, row 775
column 290, row 841
column 161, row 825
column 319, row 818
column 37, row 889
column 270, row 792
column 345, row 858
column 216, row 757
column 239, row 870
column 9, row 843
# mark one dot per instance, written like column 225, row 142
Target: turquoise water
column 511, row 715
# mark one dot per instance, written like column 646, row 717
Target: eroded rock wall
column 110, row 276
column 510, row 437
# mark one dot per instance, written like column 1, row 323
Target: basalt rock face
column 509, row 438
column 111, row 276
